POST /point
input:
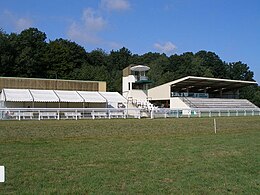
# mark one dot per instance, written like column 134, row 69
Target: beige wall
column 52, row 84
column 161, row 92
column 102, row 86
column 178, row 103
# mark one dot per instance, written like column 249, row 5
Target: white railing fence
column 98, row 113
column 67, row 113
column 169, row 113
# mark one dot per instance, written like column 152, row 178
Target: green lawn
column 117, row 156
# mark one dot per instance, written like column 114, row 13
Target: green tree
column 212, row 65
column 29, row 47
column 119, row 59
column 157, row 71
column 64, row 59
column 240, row 71
column 97, row 57
column 7, row 55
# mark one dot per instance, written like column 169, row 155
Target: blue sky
column 230, row 28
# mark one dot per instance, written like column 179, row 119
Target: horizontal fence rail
column 67, row 113
column 109, row 113
column 168, row 113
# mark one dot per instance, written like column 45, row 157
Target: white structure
column 183, row 93
column 32, row 98
column 135, row 86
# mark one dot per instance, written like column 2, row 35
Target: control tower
column 135, row 84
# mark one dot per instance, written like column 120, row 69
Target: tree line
column 29, row 54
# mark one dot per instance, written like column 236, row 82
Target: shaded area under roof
column 210, row 84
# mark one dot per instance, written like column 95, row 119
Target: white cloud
column 18, row 23
column 167, row 47
column 92, row 20
column 88, row 28
column 92, row 23
column 23, row 23
column 78, row 32
column 118, row 5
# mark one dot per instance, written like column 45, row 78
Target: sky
column 230, row 28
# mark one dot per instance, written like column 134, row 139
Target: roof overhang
column 208, row 84
column 140, row 68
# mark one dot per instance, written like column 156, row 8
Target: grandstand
column 186, row 93
column 62, row 98
column 217, row 103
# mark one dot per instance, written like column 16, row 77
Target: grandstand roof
column 196, row 84
column 210, row 84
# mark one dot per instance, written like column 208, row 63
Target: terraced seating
column 216, row 103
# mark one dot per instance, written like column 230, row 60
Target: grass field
column 160, row 156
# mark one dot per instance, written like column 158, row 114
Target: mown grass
column 161, row 156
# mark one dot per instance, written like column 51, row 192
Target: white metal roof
column 44, row 95
column 208, row 82
column 113, row 97
column 68, row 96
column 30, row 95
column 162, row 92
column 17, row 95
column 140, row 68
column 92, row 96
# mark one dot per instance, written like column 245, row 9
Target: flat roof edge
column 51, row 79
column 204, row 78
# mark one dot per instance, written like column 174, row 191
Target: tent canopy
column 16, row 95
column 44, row 95
column 68, row 96
column 113, row 97
column 35, row 95
column 92, row 96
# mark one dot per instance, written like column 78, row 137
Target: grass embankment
column 131, row 156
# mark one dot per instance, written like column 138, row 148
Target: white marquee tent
column 23, row 98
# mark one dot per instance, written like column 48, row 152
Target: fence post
column 215, row 126
column 93, row 114
column 152, row 113
column 19, row 115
